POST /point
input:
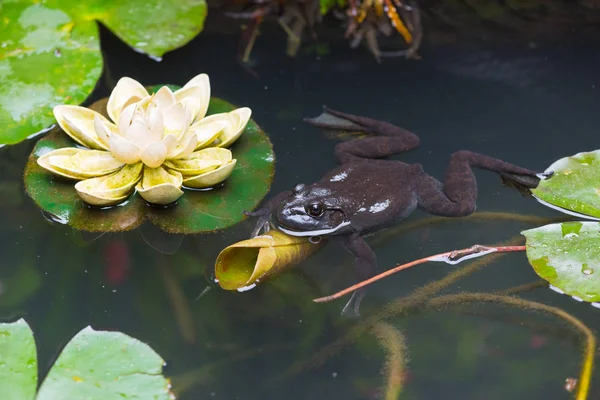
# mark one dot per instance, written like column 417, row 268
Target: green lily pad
column 50, row 51
column 196, row 211
column 93, row 365
column 18, row 361
column 574, row 188
column 567, row 255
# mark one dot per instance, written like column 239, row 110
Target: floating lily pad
column 575, row 185
column 50, row 51
column 567, row 255
column 93, row 365
column 196, row 211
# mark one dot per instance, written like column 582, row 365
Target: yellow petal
column 123, row 150
column 200, row 161
column 121, row 95
column 75, row 163
column 110, row 189
column 211, row 178
column 154, row 155
column 160, row 186
column 244, row 264
column 195, row 95
column 78, row 123
column 236, row 123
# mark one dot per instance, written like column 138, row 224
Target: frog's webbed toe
column 352, row 307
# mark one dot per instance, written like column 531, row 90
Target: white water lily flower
column 154, row 144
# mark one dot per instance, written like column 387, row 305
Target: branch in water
column 450, row 257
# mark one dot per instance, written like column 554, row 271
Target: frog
column 369, row 192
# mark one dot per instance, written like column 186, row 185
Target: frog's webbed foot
column 365, row 262
column 523, row 183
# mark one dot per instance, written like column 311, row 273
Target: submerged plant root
column 585, row 375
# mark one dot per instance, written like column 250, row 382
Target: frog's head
column 311, row 211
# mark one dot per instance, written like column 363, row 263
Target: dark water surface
column 529, row 105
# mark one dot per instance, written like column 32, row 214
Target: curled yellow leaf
column 245, row 263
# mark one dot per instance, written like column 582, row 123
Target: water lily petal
column 164, row 97
column 160, row 186
column 156, row 124
column 236, row 123
column 175, row 118
column 211, row 178
column 184, row 148
column 207, row 132
column 78, row 123
column 79, row 164
column 154, row 155
column 125, row 89
column 195, row 95
column 123, row 150
column 138, row 132
column 104, row 130
column 126, row 117
column 170, row 143
column 110, row 189
column 200, row 161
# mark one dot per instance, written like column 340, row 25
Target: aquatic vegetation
column 152, row 143
column 394, row 343
column 51, row 51
column 363, row 19
column 94, row 364
column 242, row 265
column 126, row 168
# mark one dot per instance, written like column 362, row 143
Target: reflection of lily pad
column 575, row 185
column 195, row 211
column 50, row 51
column 568, row 256
column 93, row 365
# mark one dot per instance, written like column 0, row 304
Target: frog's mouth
column 318, row 232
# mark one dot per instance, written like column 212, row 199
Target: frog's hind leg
column 365, row 262
column 390, row 139
column 458, row 195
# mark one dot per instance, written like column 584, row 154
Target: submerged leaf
column 567, row 255
column 574, row 186
column 18, row 361
column 244, row 264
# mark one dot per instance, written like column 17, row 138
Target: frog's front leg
column 264, row 213
column 390, row 139
column 365, row 262
column 458, row 195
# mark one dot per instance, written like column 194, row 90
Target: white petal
column 78, row 123
column 211, row 178
column 184, row 148
column 138, row 134
column 110, row 189
column 198, row 80
column 196, row 96
column 170, row 143
column 164, row 97
column 154, row 155
column 125, row 118
column 207, row 131
column 123, row 150
column 174, row 119
column 104, row 130
column 236, row 124
column 160, row 186
column 121, row 94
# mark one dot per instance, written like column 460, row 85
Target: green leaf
column 18, row 361
column 105, row 365
column 196, row 211
column 567, row 255
column 575, row 184
column 51, row 52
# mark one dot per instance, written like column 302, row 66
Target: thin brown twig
column 453, row 257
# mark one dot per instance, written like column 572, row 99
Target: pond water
column 527, row 103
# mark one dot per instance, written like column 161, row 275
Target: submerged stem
column 394, row 343
column 585, row 376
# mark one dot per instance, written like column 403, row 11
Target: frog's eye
column 315, row 209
